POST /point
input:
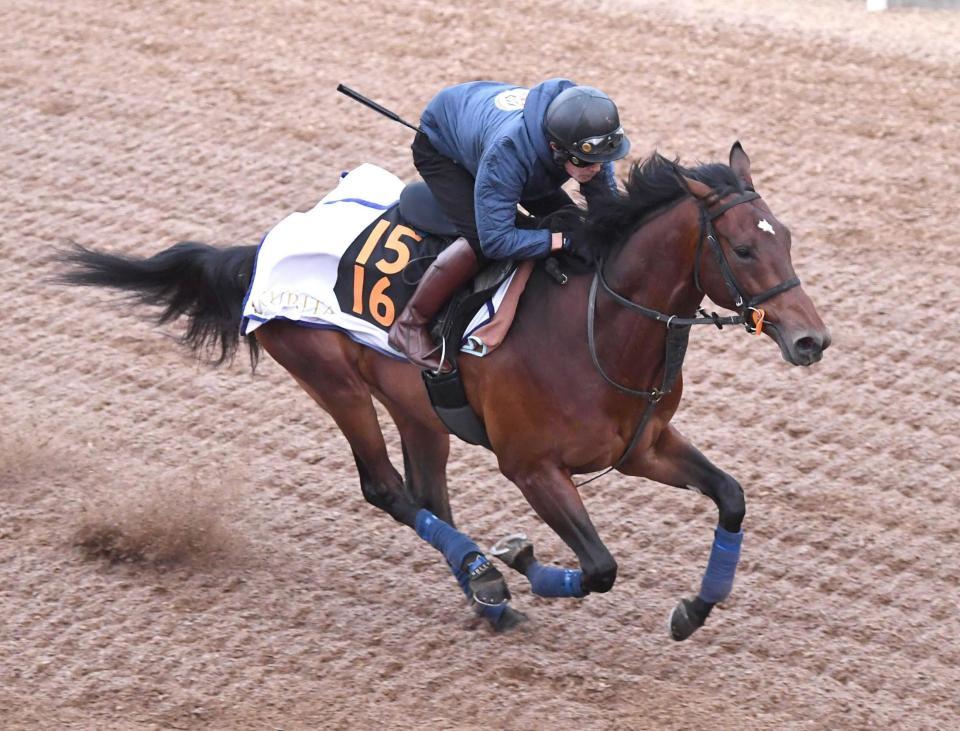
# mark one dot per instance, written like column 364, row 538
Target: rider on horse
column 487, row 147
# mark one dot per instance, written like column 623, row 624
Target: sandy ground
column 187, row 548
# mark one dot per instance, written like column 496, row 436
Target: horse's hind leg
column 674, row 461
column 425, row 453
column 325, row 364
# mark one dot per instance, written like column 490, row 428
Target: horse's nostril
column 808, row 345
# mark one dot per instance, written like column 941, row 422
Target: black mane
column 651, row 185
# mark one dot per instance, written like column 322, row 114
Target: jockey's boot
column 410, row 333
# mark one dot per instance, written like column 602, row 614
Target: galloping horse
column 588, row 378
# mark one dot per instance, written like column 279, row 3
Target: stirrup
column 434, row 360
column 509, row 548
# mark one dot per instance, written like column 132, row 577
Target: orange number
column 358, row 289
column 403, row 251
column 372, row 240
column 381, row 306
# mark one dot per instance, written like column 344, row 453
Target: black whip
column 357, row 96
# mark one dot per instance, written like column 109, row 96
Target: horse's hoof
column 516, row 551
column 508, row 619
column 487, row 585
column 684, row 620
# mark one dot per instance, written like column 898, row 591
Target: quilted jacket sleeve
column 500, row 180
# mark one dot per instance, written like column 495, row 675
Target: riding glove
column 577, row 246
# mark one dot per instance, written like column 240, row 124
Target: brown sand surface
column 251, row 587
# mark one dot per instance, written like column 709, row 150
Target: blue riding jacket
column 495, row 131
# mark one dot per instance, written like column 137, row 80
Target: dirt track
column 261, row 591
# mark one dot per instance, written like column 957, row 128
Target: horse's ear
column 693, row 187
column 740, row 163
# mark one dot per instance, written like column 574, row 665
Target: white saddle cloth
column 296, row 266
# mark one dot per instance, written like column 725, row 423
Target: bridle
column 678, row 328
column 746, row 305
column 750, row 316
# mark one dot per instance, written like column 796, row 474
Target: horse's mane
column 651, row 185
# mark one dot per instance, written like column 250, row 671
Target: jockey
column 486, row 147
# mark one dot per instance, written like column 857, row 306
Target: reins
column 678, row 328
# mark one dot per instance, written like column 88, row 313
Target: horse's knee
column 728, row 496
column 600, row 577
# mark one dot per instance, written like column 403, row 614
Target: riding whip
column 357, row 96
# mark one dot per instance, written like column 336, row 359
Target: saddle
column 419, row 208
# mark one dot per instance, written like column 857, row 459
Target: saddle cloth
column 350, row 264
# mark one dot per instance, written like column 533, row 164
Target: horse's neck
column 653, row 268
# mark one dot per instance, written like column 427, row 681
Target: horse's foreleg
column 675, row 461
column 552, row 494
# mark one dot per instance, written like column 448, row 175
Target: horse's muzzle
column 802, row 349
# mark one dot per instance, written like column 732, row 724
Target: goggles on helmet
column 577, row 162
column 599, row 145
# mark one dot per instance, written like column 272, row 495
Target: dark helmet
column 584, row 123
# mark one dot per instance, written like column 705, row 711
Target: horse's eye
column 743, row 252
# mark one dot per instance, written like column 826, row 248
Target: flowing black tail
column 201, row 282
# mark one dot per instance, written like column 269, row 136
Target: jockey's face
column 582, row 174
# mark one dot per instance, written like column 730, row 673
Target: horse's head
column 743, row 263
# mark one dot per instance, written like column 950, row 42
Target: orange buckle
column 758, row 315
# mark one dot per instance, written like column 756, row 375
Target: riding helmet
column 584, row 123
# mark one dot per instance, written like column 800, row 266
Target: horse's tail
column 205, row 284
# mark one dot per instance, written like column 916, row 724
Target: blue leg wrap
column 554, row 581
column 455, row 547
column 453, row 544
column 722, row 566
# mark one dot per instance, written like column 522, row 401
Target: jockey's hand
column 576, row 245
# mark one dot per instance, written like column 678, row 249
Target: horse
column 588, row 378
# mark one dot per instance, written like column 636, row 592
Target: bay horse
column 588, row 378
